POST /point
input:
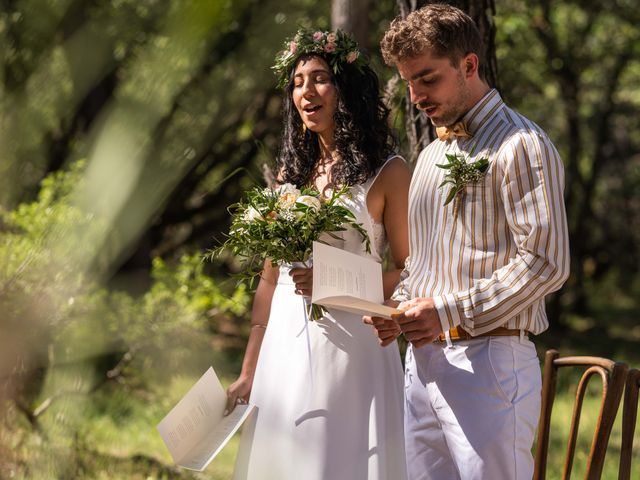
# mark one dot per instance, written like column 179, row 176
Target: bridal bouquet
column 281, row 224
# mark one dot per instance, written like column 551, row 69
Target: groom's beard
column 454, row 108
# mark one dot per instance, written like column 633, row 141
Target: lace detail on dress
column 379, row 240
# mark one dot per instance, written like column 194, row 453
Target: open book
column 348, row 282
column 195, row 430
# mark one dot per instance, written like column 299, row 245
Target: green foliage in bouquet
column 281, row 225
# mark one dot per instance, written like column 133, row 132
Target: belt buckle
column 456, row 334
column 439, row 340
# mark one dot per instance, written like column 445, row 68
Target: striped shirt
column 491, row 264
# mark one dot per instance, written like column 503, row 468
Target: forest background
column 128, row 126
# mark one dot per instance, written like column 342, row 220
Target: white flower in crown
column 309, row 201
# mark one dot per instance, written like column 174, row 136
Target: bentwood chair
column 629, row 416
column 613, row 376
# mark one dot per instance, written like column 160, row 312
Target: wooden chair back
column 629, row 416
column 613, row 376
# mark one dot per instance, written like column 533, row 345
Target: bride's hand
column 386, row 330
column 238, row 393
column 303, row 279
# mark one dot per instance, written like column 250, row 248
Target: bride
column 330, row 399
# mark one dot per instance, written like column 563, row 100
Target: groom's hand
column 419, row 321
column 386, row 330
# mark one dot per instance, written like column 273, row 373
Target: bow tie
column 458, row 129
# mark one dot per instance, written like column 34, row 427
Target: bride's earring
column 304, row 129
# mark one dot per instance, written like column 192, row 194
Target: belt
column 458, row 333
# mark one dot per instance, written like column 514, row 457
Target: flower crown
column 336, row 47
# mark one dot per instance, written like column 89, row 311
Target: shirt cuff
column 448, row 312
column 399, row 296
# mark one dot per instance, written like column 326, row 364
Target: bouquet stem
column 316, row 312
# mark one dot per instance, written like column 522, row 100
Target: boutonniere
column 460, row 172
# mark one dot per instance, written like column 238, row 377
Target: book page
column 361, row 307
column 201, row 455
column 196, row 428
column 348, row 282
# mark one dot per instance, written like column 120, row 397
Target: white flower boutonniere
column 460, row 172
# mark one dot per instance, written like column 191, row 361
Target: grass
column 136, row 436
column 119, row 440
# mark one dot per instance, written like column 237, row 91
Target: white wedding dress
column 330, row 398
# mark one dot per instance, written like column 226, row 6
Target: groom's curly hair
column 444, row 30
column 363, row 137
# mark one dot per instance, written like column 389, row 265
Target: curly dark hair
column 363, row 137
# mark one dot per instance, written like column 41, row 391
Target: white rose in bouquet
column 309, row 201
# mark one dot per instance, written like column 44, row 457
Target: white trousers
column 472, row 409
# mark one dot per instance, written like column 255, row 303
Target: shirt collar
column 482, row 111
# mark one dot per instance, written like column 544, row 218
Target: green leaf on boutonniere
column 482, row 165
column 452, row 194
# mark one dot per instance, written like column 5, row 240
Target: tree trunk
column 352, row 16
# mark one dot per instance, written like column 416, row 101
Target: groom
column 472, row 292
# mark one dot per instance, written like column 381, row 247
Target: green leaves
column 461, row 172
column 282, row 224
column 452, row 194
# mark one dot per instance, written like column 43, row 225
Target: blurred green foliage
column 574, row 68
column 69, row 344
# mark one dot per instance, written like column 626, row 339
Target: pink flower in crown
column 317, row 36
column 331, row 38
column 330, row 47
column 293, row 47
column 352, row 56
